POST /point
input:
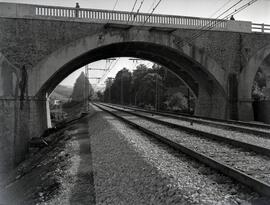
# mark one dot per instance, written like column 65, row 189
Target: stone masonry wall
column 26, row 42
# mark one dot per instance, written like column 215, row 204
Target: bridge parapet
column 13, row 10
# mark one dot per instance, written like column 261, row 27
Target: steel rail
column 237, row 143
column 255, row 184
column 235, row 125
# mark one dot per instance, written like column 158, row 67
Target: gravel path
column 130, row 168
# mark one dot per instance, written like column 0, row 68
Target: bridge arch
column 194, row 59
column 246, row 80
column 202, row 74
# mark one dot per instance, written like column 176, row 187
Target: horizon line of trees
column 154, row 88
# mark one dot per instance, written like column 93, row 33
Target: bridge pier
column 21, row 117
column 19, row 122
column 212, row 104
column 39, row 116
column 14, row 132
column 246, row 110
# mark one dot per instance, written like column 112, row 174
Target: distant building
column 56, row 102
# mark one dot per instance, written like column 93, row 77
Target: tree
column 147, row 87
column 137, row 76
column 82, row 89
column 100, row 96
column 259, row 85
column 107, row 92
column 119, row 90
column 178, row 102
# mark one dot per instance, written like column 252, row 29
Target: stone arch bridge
column 41, row 45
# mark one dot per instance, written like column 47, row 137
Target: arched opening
column 253, row 86
column 261, row 92
column 177, row 63
column 128, row 81
column 211, row 98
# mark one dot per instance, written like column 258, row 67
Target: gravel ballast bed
column 251, row 163
column 241, row 136
column 129, row 168
column 211, row 123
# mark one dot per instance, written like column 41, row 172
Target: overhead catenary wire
column 218, row 21
column 213, row 22
column 220, row 8
column 152, row 5
column 155, row 7
column 132, row 10
column 148, row 15
column 232, row 13
column 208, row 25
column 114, row 6
column 110, row 66
column 137, row 12
column 152, row 12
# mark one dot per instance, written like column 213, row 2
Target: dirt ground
column 58, row 174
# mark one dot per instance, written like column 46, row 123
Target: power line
column 110, row 66
column 220, row 8
column 137, row 31
column 138, row 10
column 114, row 6
column 132, row 10
column 116, row 2
column 152, row 12
column 208, row 25
column 218, row 21
column 151, row 6
column 146, row 18
column 233, row 13
column 109, row 70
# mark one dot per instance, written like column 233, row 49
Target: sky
column 258, row 12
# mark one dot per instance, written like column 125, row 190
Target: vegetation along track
column 245, row 127
column 245, row 164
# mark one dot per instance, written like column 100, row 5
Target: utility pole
column 84, row 89
column 135, row 100
column 110, row 79
column 156, row 103
column 87, row 69
column 85, row 96
column 110, row 95
column 188, row 92
column 122, row 99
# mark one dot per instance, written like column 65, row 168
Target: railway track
column 246, row 163
column 241, row 126
column 251, row 141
